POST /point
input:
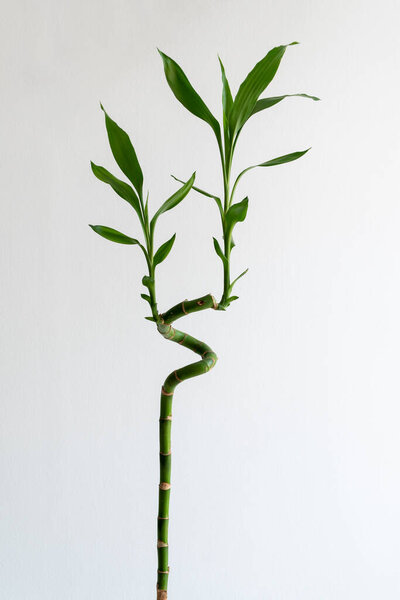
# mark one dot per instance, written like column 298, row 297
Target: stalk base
column 161, row 594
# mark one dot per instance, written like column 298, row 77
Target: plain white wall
column 286, row 457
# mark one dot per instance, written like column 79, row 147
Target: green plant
column 236, row 112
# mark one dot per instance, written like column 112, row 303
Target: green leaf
column 196, row 189
column 150, row 319
column 264, row 103
column 146, row 209
column 254, row 84
column 120, row 187
column 203, row 193
column 227, row 102
column 113, row 235
column 163, row 251
column 175, row 199
column 186, row 94
column 233, row 298
column 124, row 153
column 218, row 250
column 146, row 297
column 280, row 160
column 235, row 280
column 237, row 212
column 147, row 281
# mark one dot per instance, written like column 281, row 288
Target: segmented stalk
column 207, row 361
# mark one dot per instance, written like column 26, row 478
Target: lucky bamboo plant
column 235, row 113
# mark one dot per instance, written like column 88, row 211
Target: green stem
column 227, row 267
column 149, row 237
column 226, row 171
column 207, row 361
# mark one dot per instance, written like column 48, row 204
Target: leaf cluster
column 126, row 159
column 236, row 111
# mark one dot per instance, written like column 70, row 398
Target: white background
column 286, row 456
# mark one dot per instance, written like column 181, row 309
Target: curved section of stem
column 207, row 360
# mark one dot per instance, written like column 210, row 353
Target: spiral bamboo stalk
column 208, row 360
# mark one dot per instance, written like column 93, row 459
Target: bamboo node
column 163, row 518
column 161, row 544
column 176, row 375
column 215, row 304
column 168, row 418
column 165, row 393
column 212, row 357
column 166, row 453
column 172, row 332
column 165, row 486
column 183, row 307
